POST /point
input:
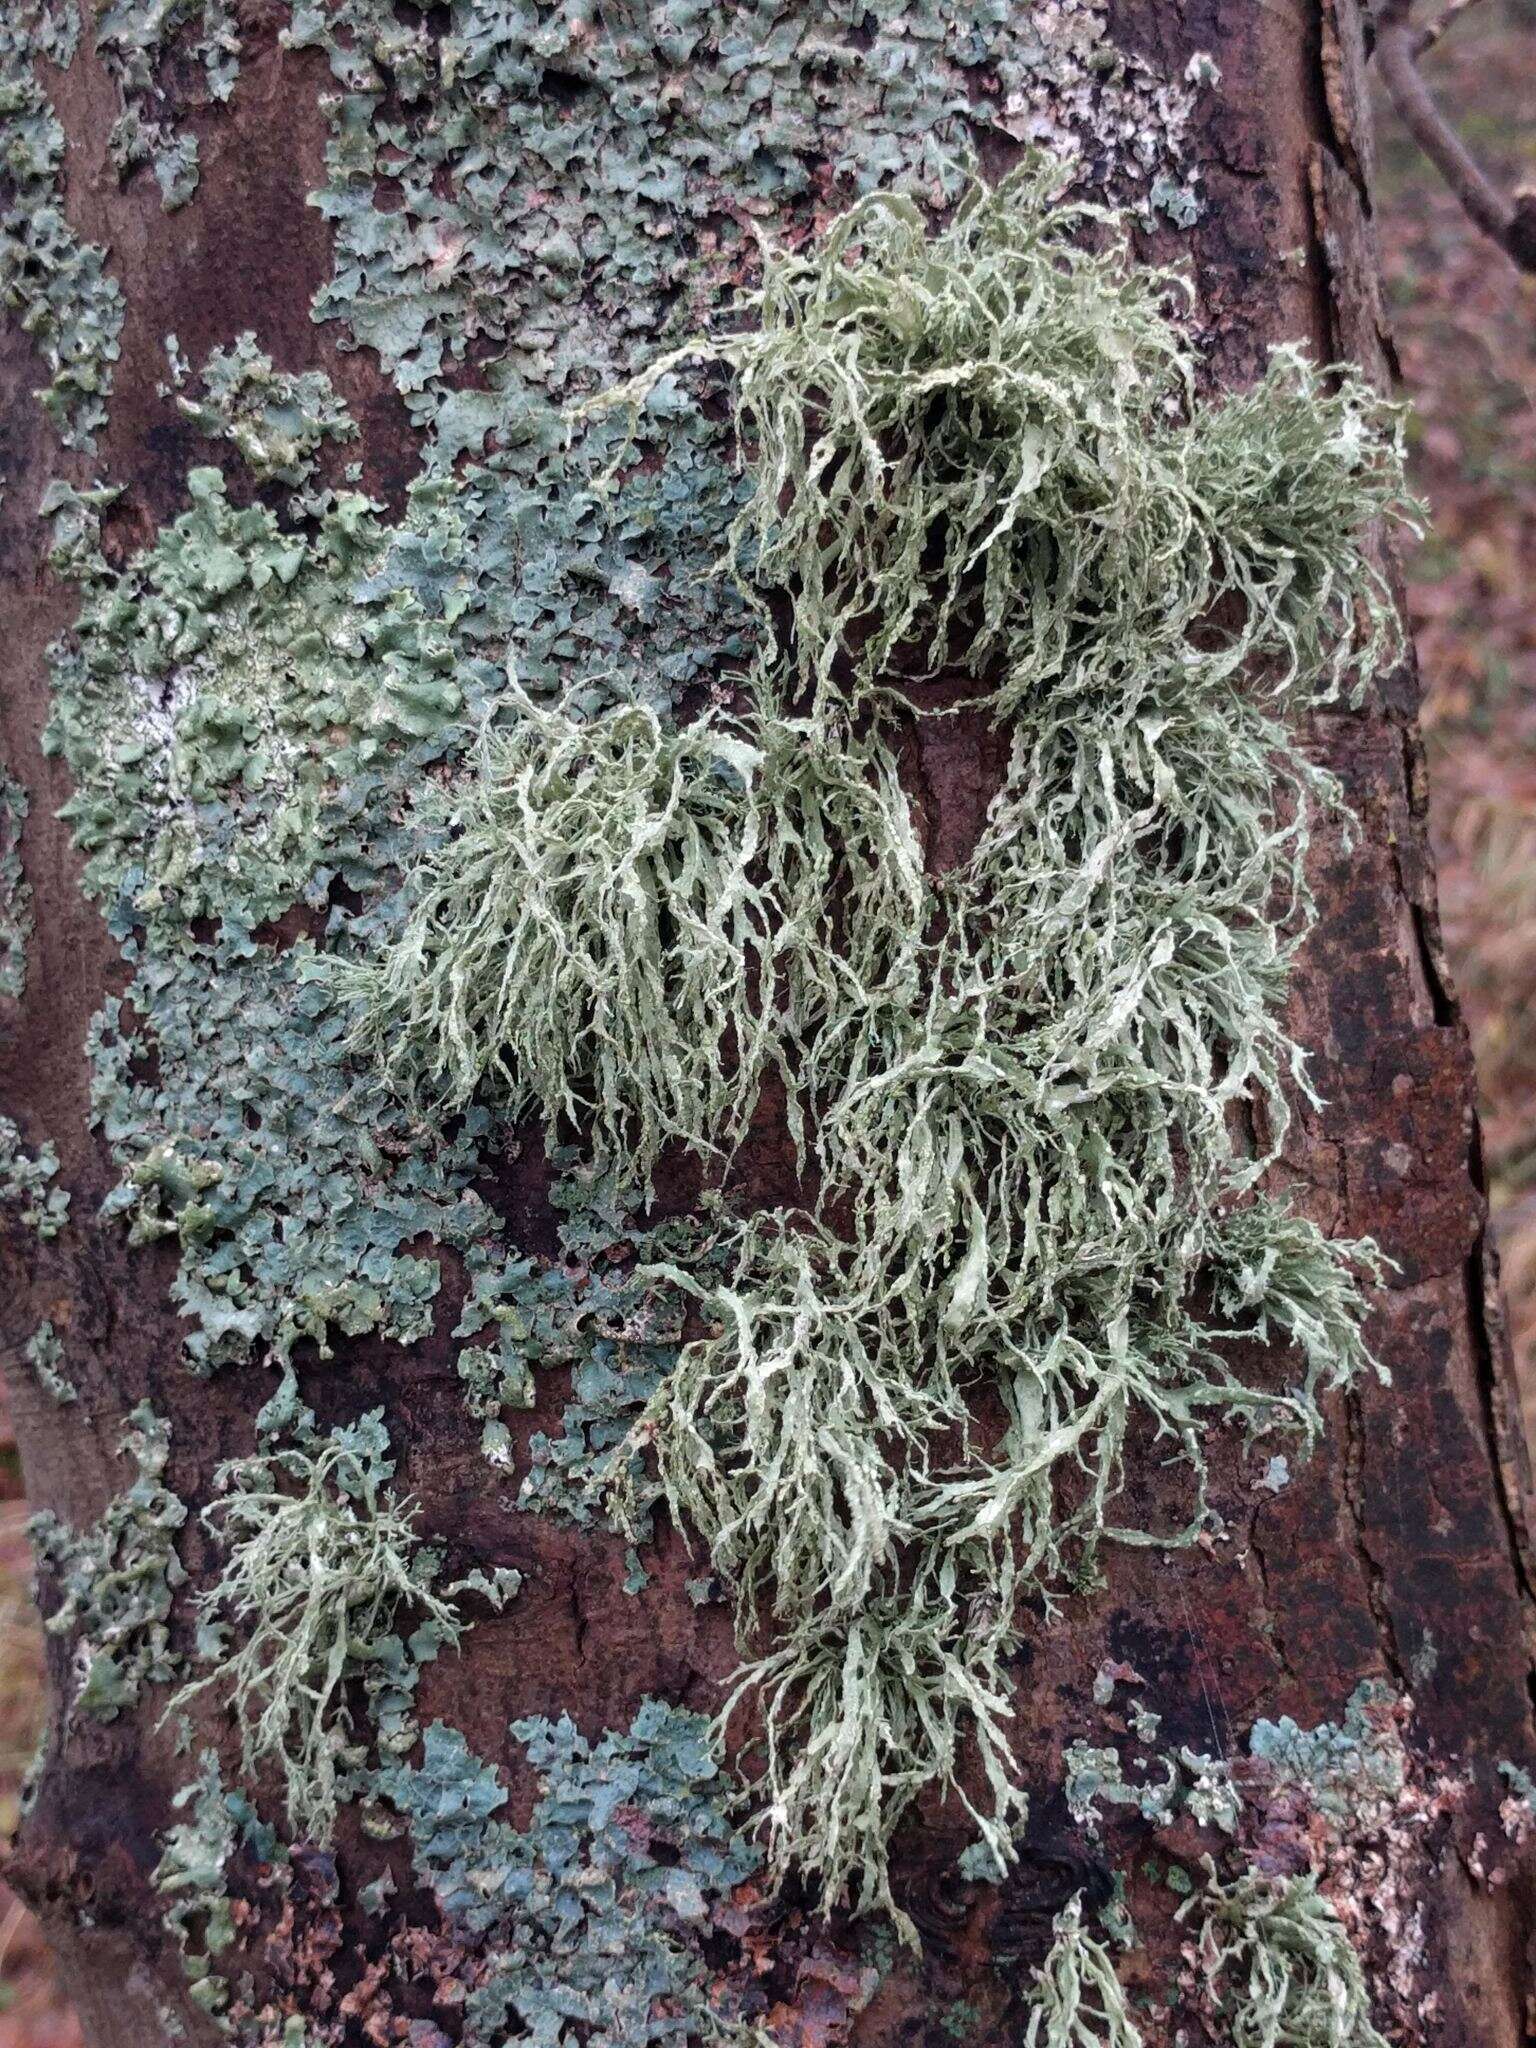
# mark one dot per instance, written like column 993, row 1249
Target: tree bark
column 1397, row 1553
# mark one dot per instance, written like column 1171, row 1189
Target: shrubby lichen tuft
column 1279, row 1966
column 1076, row 2000
column 322, row 1556
column 980, row 450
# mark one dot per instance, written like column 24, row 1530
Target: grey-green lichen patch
column 26, row 1183
column 15, row 890
column 278, row 420
column 137, row 42
column 1279, row 1967
column 44, row 1352
column 1190, row 1783
column 587, row 1924
column 193, row 1874
column 321, row 1558
column 55, row 284
column 1354, row 1771
column 1107, row 113
column 1076, row 1999
column 111, row 1585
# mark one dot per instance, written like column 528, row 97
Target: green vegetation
column 1279, row 1965
column 116, row 1579
column 322, row 1556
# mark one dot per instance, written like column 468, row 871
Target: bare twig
column 1430, row 36
column 1511, row 222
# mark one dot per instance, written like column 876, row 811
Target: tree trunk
column 454, row 225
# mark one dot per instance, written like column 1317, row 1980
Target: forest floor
column 1465, row 328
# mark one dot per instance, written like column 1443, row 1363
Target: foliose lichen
column 587, row 1923
column 15, row 890
column 109, row 1587
column 26, row 1183
column 55, row 284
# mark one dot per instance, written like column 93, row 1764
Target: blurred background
column 1465, row 326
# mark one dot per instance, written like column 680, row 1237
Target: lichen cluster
column 321, row 1557
column 109, row 1587
column 1012, row 1088
column 581, row 1921
column 1279, row 1966
column 974, row 455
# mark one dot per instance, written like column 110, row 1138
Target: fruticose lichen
column 1076, row 1999
column 586, row 1923
column 322, row 1556
column 1279, row 1966
column 115, row 1580
column 980, row 453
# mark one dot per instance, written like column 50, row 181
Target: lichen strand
column 585, row 1925
column 108, row 1588
column 55, row 284
column 1279, row 1967
column 322, row 1556
column 1076, row 1999
column 15, row 890
column 977, row 451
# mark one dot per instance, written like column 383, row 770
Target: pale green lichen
column 116, row 1579
column 54, row 283
column 193, row 1873
column 586, row 1924
column 1354, row 1771
column 140, row 43
column 1076, row 1999
column 44, row 1352
column 278, row 420
column 15, row 890
column 321, row 1557
column 25, row 1183
column 1279, row 1966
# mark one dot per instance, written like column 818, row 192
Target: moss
column 114, row 1582
column 321, row 1557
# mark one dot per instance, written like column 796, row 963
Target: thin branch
column 1430, row 36
column 1511, row 222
